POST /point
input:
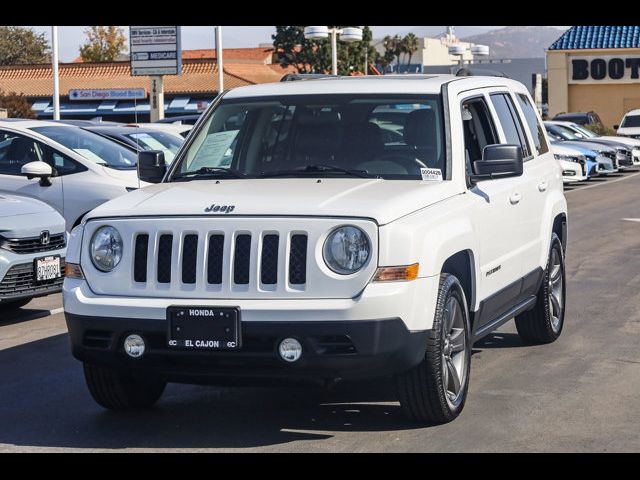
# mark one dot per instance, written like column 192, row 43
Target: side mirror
column 151, row 166
column 38, row 169
column 498, row 161
column 615, row 127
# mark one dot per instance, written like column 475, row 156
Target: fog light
column 290, row 349
column 134, row 346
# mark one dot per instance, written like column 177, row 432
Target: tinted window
column 62, row 164
column 510, row 122
column 532, row 122
column 91, row 146
column 169, row 144
column 17, row 150
column 390, row 138
column 478, row 129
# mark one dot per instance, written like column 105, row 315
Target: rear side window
column 532, row 122
column 510, row 122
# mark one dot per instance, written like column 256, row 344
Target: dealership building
column 184, row 94
column 595, row 68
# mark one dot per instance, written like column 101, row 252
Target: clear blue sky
column 70, row 37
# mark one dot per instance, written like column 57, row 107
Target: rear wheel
column 435, row 390
column 543, row 323
column 117, row 390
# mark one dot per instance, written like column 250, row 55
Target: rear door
column 542, row 176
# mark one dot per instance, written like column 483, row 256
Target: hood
column 22, row 217
column 128, row 178
column 588, row 148
column 14, row 205
column 382, row 200
column 560, row 149
column 630, row 142
column 604, row 141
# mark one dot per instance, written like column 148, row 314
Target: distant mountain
column 434, row 31
column 516, row 42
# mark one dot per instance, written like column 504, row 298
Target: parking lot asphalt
column 577, row 394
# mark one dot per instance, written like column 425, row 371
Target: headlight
column 346, row 250
column 106, row 248
column 570, row 158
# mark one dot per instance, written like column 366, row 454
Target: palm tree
column 411, row 45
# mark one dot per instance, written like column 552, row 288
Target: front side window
column 532, row 122
column 511, row 126
column 91, row 146
column 328, row 135
column 17, row 150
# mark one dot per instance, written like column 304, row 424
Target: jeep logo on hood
column 220, row 208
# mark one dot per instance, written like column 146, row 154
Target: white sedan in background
column 69, row 168
column 572, row 161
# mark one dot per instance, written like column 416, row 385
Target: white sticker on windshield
column 431, row 174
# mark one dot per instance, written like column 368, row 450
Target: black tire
column 118, row 390
column 537, row 326
column 422, row 390
column 14, row 304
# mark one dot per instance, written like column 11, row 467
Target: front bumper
column 331, row 350
column 17, row 276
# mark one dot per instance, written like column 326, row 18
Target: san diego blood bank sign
column 604, row 69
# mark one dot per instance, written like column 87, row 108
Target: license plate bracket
column 203, row 328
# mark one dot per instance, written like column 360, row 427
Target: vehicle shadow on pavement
column 45, row 404
column 499, row 340
column 11, row 316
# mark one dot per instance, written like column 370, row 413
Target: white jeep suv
column 326, row 229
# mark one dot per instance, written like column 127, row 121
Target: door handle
column 515, row 198
column 542, row 186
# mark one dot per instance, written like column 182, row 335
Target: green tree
column 16, row 104
column 20, row 45
column 411, row 45
column 104, row 44
column 292, row 49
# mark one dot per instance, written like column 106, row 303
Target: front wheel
column 118, row 390
column 544, row 322
column 435, row 390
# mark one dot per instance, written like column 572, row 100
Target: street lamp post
column 54, row 67
column 460, row 50
column 348, row 35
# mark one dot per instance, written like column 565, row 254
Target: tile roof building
column 595, row 68
column 197, row 85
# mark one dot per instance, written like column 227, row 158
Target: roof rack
column 468, row 72
column 294, row 77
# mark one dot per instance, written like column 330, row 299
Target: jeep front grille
column 240, row 255
column 33, row 244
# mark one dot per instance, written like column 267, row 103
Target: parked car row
column 51, row 175
column 583, row 154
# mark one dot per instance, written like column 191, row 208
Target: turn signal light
column 395, row 274
column 73, row 270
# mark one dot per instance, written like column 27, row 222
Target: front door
column 17, row 150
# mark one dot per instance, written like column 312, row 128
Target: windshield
column 562, row 133
column 91, row 146
column 320, row 135
column 631, row 121
column 585, row 131
column 169, row 144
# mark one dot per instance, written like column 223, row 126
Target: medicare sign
column 155, row 50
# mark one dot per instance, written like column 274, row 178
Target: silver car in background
column 32, row 250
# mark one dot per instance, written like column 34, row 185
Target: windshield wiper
column 318, row 168
column 211, row 172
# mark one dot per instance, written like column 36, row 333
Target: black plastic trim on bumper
column 331, row 350
column 35, row 293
